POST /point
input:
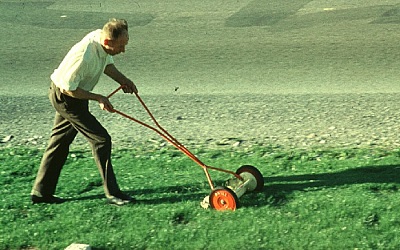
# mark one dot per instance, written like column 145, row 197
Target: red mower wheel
column 254, row 172
column 223, row 199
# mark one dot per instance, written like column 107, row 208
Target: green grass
column 220, row 47
column 265, row 13
column 31, row 13
column 319, row 199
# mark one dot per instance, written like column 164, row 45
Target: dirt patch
column 217, row 121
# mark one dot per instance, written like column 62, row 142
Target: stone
column 7, row 138
column 76, row 246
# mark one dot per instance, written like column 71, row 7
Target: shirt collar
column 97, row 40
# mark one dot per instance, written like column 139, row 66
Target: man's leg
column 76, row 113
column 100, row 142
column 54, row 157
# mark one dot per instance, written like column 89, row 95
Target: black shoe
column 120, row 199
column 50, row 199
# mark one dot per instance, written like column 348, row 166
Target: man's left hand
column 129, row 87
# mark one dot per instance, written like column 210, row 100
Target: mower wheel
column 222, row 198
column 255, row 173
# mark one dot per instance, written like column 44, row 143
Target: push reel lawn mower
column 246, row 179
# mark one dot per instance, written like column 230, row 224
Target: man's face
column 115, row 47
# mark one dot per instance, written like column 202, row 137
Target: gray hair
column 114, row 28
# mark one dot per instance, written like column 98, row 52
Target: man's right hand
column 105, row 104
column 79, row 93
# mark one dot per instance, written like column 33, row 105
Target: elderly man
column 70, row 90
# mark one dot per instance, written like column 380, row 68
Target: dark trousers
column 73, row 116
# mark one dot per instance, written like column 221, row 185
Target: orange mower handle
column 172, row 140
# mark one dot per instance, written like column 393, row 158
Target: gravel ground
column 240, row 121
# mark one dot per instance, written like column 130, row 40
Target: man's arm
column 86, row 95
column 116, row 75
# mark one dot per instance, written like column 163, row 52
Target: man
column 70, row 91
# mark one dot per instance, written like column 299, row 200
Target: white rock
column 236, row 144
column 206, row 202
column 311, row 136
column 75, row 246
column 7, row 138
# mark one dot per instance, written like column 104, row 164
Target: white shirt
column 83, row 65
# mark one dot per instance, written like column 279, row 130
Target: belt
column 54, row 86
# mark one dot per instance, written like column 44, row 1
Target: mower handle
column 172, row 140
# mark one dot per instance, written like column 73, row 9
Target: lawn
column 205, row 51
column 320, row 199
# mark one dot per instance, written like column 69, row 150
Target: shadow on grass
column 171, row 194
column 278, row 188
column 159, row 195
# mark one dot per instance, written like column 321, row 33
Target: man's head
column 115, row 36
